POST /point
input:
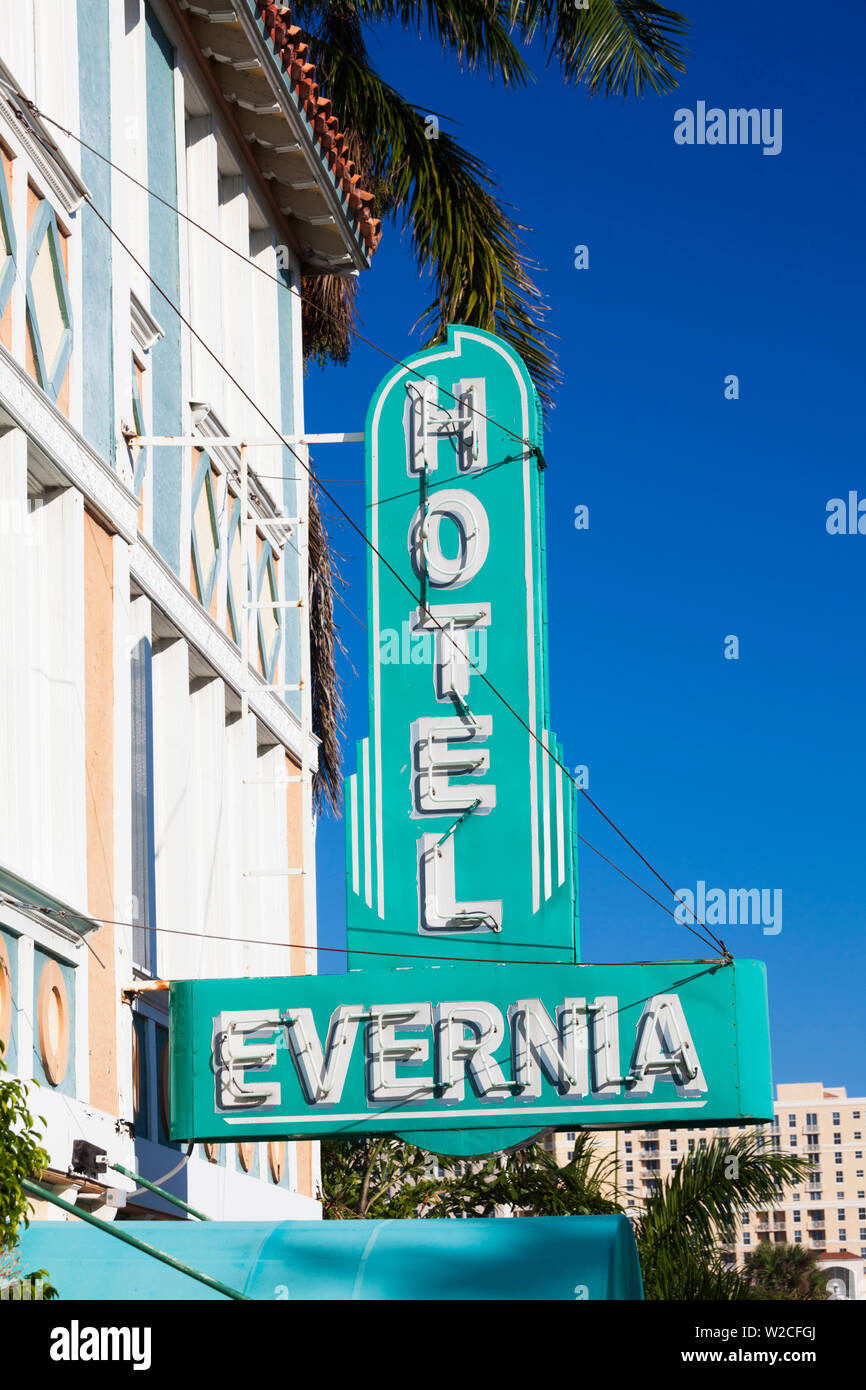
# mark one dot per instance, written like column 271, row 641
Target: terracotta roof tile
column 276, row 21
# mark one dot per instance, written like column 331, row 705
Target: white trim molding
column 64, row 182
column 49, row 431
column 145, row 329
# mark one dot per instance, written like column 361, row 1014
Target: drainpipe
column 113, row 1229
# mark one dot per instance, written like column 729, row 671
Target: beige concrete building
column 826, row 1212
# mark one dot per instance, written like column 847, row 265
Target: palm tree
column 785, row 1272
column 376, row 1178
column 683, row 1224
column 462, row 236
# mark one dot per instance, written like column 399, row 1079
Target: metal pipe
column 111, row 1228
column 160, row 1191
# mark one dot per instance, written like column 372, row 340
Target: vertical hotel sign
column 459, row 825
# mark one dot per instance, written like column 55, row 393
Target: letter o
column 470, row 518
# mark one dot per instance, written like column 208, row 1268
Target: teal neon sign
column 460, row 849
column 470, row 1058
column 449, row 785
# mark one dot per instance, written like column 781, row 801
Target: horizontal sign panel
column 467, row 1058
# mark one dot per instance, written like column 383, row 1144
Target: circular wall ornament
column 5, row 995
column 246, row 1154
column 277, row 1159
column 52, row 1014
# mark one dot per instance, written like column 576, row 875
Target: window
column 674, row 1162
column 703, row 1143
column 811, row 1141
column 863, row 1232
column 49, row 311
column 779, row 1237
column 8, row 247
column 796, row 1196
column 837, row 1157
column 207, row 489
column 858, row 1134
column 836, row 1119
column 812, row 1121
column 691, row 1146
column 856, row 1115
column 571, row 1134
column 861, row 1213
column 840, row 1177
column 747, row 1239
column 837, row 1138
column 814, row 1196
column 629, row 1166
column 673, row 1146
column 858, row 1153
column 798, row 1237
column 798, row 1216
column 842, row 1235
column 792, row 1140
column 792, row 1120
column 629, row 1187
column 628, row 1146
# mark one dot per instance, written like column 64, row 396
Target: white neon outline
column 570, row 1111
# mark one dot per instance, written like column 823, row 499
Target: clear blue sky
column 707, row 516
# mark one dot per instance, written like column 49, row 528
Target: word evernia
column 577, row 1051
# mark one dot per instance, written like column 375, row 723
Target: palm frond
column 681, row 1223
column 479, row 32
column 614, row 46
column 328, row 709
column 462, row 235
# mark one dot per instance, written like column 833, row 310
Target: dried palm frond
column 328, row 709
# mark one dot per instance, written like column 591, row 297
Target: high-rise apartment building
column 827, row 1211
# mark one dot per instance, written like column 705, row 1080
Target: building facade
column 827, row 1212
column 158, row 751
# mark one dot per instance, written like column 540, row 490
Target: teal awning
column 545, row 1257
